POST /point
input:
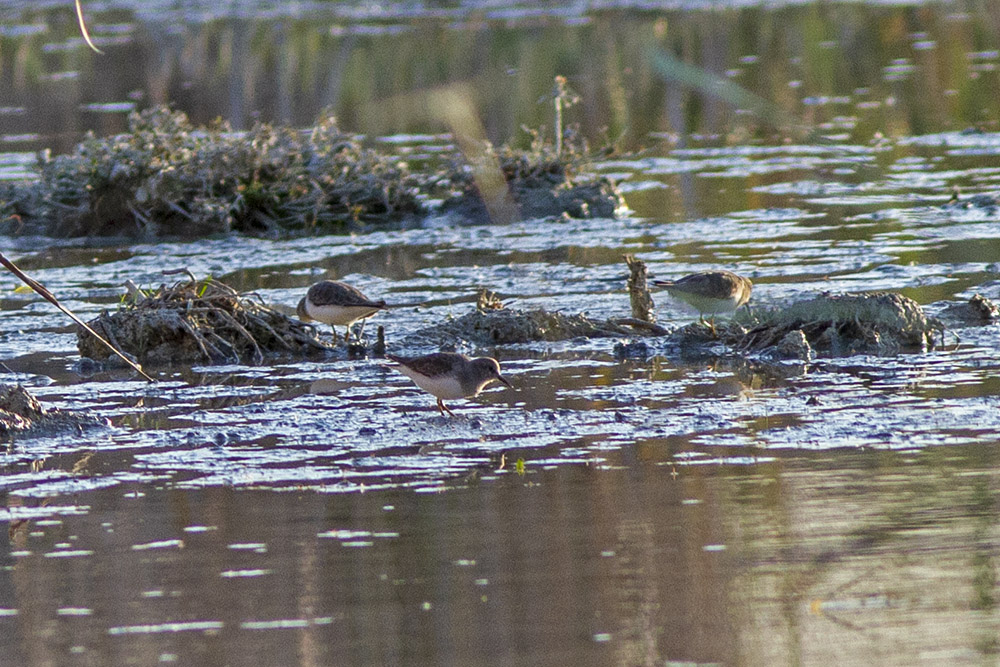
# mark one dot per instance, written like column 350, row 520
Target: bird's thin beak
column 504, row 380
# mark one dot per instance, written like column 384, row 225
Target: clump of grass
column 198, row 321
column 167, row 177
column 545, row 162
column 545, row 179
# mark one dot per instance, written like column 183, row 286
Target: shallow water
column 604, row 511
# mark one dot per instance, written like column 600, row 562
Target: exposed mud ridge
column 511, row 326
column 198, row 321
column 880, row 323
column 835, row 324
column 21, row 413
column 985, row 202
column 166, row 177
column 840, row 325
column 977, row 311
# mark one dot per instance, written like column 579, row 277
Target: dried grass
column 198, row 321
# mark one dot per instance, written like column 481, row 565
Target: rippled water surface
column 665, row 507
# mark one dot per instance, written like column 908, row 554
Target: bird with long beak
column 449, row 375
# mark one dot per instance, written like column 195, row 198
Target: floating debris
column 487, row 300
column 198, row 321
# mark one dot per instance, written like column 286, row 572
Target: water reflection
column 852, row 71
column 799, row 560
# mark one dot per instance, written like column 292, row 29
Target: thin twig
column 258, row 355
column 220, row 341
column 202, row 344
column 83, row 28
column 651, row 327
column 177, row 209
column 186, row 271
column 264, row 325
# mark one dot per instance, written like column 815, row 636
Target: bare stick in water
column 638, row 291
column 48, row 296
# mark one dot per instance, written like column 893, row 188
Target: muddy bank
column 169, row 178
column 209, row 322
column 977, row 311
column 880, row 323
column 22, row 414
column 198, row 322
column 513, row 326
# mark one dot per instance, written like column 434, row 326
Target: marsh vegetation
column 636, row 498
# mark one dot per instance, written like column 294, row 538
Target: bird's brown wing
column 331, row 292
column 712, row 284
column 431, row 365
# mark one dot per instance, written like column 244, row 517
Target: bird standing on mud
column 450, row 375
column 710, row 292
column 333, row 303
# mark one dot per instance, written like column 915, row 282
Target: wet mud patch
column 881, row 323
column 22, row 414
column 977, row 311
column 513, row 326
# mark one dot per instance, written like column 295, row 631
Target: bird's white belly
column 709, row 305
column 441, row 386
column 343, row 315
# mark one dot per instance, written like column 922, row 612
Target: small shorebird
column 450, row 375
column 710, row 292
column 334, row 303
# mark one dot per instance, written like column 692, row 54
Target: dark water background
column 844, row 68
column 669, row 510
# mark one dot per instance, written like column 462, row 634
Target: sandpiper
column 450, row 375
column 710, row 292
column 333, row 303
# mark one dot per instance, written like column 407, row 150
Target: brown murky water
column 665, row 508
